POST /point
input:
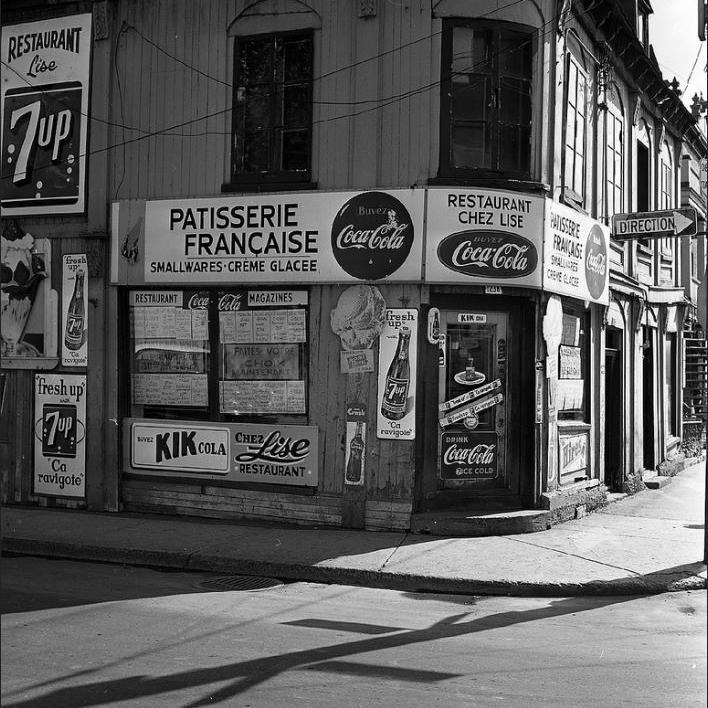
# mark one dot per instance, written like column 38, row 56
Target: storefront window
column 170, row 351
column 573, row 366
column 262, row 351
column 259, row 366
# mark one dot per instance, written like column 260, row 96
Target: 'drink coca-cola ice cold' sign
column 313, row 237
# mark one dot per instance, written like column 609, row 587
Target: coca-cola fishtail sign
column 315, row 237
column 45, row 107
column 398, row 346
column 469, row 455
column 484, row 237
column 243, row 452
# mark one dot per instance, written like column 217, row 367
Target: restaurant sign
column 239, row 452
column 478, row 236
column 316, row 237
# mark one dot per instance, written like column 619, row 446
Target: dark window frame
column 275, row 172
column 447, row 168
column 579, row 415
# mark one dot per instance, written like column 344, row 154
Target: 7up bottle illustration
column 395, row 395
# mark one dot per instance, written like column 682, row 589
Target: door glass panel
column 473, row 400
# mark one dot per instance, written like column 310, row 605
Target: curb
column 651, row 584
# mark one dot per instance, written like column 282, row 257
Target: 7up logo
column 40, row 145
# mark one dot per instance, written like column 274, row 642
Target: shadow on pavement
column 245, row 675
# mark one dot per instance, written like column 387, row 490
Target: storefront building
column 349, row 276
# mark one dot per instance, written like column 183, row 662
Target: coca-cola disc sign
column 596, row 262
column 372, row 235
column 488, row 254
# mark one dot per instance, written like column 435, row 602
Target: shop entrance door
column 474, row 405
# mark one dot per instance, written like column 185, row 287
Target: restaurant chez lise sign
column 318, row 237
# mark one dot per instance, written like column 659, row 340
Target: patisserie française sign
column 317, row 237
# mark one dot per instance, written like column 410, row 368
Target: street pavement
column 648, row 543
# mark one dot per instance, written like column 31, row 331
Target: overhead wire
column 380, row 102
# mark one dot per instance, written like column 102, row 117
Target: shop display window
column 573, row 366
column 208, row 353
column 262, row 354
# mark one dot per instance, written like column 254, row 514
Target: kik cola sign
column 243, row 452
column 469, row 455
column 372, row 235
column 488, row 254
column 180, row 448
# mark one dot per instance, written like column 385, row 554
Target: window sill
column 251, row 187
column 496, row 182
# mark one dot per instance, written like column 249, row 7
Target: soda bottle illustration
column 356, row 455
column 74, row 335
column 395, row 395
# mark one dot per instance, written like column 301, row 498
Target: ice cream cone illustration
column 21, row 272
column 359, row 316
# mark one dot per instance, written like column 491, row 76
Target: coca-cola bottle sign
column 596, row 262
column 372, row 235
column 488, row 254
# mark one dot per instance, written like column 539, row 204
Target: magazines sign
column 45, row 109
column 242, row 452
column 318, row 237
column 60, row 435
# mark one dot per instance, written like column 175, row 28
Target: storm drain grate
column 239, row 582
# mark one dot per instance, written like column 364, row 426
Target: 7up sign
column 44, row 115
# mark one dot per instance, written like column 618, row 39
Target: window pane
column 514, row 102
column 256, row 111
column 297, row 60
column 514, row 53
column 255, row 62
column 296, row 106
column 471, row 50
column 256, row 151
column 514, row 148
column 469, row 146
column 469, row 99
column 296, row 148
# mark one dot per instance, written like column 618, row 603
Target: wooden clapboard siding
column 235, row 503
column 388, row 515
column 369, row 128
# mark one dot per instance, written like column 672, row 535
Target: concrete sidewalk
column 649, row 543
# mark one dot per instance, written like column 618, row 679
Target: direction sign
column 654, row 224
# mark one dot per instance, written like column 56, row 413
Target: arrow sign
column 654, row 224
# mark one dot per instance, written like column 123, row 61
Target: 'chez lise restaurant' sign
column 318, row 237
column 513, row 239
column 240, row 452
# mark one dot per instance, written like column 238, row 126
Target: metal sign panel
column 654, row 224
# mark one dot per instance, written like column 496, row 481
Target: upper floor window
column 575, row 131
column 614, row 159
column 272, row 119
column 486, row 99
column 666, row 190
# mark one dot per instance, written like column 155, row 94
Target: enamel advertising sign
column 575, row 261
column 483, row 236
column 60, row 435
column 319, row 237
column 243, row 452
column 45, row 108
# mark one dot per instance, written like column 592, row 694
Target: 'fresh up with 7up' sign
column 44, row 115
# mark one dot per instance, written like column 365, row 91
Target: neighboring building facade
column 353, row 264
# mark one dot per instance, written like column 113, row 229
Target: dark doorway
column 614, row 408
column 648, row 410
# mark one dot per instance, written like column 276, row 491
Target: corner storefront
column 351, row 358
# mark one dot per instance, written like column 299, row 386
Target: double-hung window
column 486, row 99
column 666, row 188
column 575, row 132
column 272, row 115
column 614, row 161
